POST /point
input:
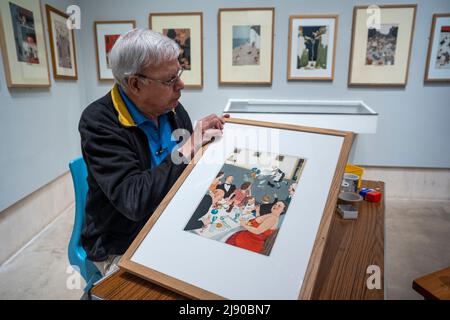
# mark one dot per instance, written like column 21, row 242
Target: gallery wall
column 38, row 129
column 413, row 127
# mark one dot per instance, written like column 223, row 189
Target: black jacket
column 201, row 210
column 123, row 190
column 227, row 193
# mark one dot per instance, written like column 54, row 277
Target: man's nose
column 179, row 85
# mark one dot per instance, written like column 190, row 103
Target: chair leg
column 86, row 295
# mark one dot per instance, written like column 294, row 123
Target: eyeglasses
column 169, row 82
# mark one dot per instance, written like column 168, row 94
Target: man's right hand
column 206, row 130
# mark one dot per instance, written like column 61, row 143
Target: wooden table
column 352, row 246
column 434, row 286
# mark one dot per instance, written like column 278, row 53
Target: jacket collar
column 125, row 117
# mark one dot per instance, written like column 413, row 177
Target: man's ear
column 134, row 85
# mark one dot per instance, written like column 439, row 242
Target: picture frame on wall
column 381, row 48
column 186, row 28
column 438, row 57
column 246, row 46
column 312, row 47
column 23, row 44
column 62, row 45
column 106, row 35
column 275, row 185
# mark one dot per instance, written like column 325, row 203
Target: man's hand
column 206, row 130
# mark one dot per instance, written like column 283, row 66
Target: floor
column 416, row 243
column 41, row 270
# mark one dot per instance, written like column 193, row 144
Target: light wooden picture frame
column 381, row 48
column 438, row 57
column 197, row 267
column 62, row 45
column 23, row 44
column 106, row 34
column 246, row 37
column 312, row 47
column 186, row 28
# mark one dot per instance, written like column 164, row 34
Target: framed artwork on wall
column 62, row 45
column 248, row 220
column 381, row 45
column 246, row 46
column 438, row 58
column 187, row 30
column 23, row 44
column 312, row 47
column 106, row 35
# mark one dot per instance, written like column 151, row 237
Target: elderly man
column 126, row 140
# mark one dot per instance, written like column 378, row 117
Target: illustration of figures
column 250, row 207
column 312, row 47
column 24, row 34
column 265, row 207
column 63, row 45
column 381, row 45
column 183, row 38
column 30, row 49
column 258, row 230
column 291, row 192
column 443, row 55
column 246, row 45
column 247, row 216
column 239, row 195
column 302, row 52
column 110, row 41
column 255, row 38
column 277, row 178
column 228, row 187
column 217, row 181
column 209, row 201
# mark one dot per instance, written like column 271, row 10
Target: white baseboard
column 25, row 219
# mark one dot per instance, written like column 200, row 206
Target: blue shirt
column 159, row 137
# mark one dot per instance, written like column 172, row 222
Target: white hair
column 139, row 49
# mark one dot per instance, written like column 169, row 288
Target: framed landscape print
column 187, row 30
column 381, row 50
column 246, row 46
column 23, row 44
column 438, row 58
column 106, row 35
column 312, row 47
column 249, row 219
column 62, row 45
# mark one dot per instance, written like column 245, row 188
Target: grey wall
column 38, row 129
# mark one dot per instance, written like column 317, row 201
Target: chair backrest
column 77, row 254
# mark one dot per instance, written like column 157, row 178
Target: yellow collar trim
column 124, row 116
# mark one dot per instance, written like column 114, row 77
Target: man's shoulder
column 100, row 110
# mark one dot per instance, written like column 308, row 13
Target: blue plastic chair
column 77, row 254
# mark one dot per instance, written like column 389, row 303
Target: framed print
column 106, row 35
column 23, row 44
column 312, row 47
column 187, row 30
column 381, row 50
column 62, row 45
column 438, row 58
column 246, row 46
column 249, row 220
